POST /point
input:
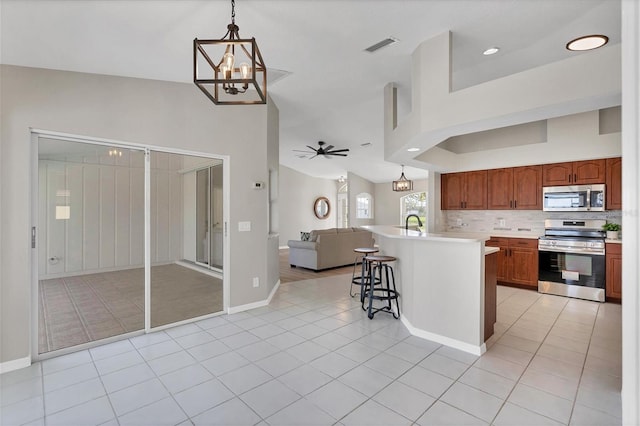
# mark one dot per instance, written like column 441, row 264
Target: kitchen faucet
column 406, row 222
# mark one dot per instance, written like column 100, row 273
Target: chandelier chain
column 233, row 11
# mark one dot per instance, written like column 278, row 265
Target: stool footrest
column 388, row 294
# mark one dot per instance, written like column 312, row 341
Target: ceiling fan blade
column 323, row 149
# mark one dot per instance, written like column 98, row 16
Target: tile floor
column 313, row 358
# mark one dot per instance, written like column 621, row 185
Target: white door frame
column 36, row 134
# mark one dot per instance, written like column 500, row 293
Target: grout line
column 529, row 363
column 390, row 326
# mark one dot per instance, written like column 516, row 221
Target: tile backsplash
column 511, row 220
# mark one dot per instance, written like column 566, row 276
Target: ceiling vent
column 379, row 45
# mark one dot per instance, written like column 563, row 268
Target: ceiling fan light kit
column 230, row 70
column 402, row 184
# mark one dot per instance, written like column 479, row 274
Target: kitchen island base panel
column 444, row 340
column 442, row 283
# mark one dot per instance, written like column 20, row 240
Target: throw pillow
column 304, row 236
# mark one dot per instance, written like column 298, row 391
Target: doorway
column 209, row 217
column 343, row 206
column 115, row 226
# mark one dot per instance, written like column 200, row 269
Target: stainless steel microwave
column 576, row 198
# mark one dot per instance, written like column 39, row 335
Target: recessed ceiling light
column 588, row 42
column 413, row 149
column 491, row 51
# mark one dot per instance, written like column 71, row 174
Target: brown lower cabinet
column 613, row 285
column 517, row 261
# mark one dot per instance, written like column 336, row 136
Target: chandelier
column 402, row 184
column 230, row 71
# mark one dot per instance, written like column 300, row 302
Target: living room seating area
column 328, row 248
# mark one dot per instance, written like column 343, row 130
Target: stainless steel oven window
column 586, row 270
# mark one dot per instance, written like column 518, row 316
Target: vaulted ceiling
column 329, row 88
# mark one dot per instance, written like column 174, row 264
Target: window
column 343, row 206
column 414, row 203
column 364, row 206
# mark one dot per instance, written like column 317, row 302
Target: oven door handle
column 596, row 252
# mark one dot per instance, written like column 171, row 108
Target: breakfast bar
column 441, row 280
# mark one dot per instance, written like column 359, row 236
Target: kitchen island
column 441, row 280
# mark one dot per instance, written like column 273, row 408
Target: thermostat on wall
column 258, row 185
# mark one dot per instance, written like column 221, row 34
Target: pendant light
column 230, row 70
column 402, row 184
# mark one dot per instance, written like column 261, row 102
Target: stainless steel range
column 571, row 259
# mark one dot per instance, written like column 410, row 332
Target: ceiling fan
column 325, row 150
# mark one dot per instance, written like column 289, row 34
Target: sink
column 411, row 227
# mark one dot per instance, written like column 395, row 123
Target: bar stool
column 358, row 280
column 386, row 293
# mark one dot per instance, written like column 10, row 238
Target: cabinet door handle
column 461, row 205
column 515, row 204
column 575, row 177
column 570, row 177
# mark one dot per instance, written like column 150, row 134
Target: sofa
column 328, row 248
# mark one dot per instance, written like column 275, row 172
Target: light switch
column 244, row 226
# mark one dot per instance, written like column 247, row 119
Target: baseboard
column 273, row 292
column 443, row 340
column 101, row 270
column 254, row 305
column 247, row 307
column 198, row 268
column 15, row 364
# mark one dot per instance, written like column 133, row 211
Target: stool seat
column 380, row 258
column 366, row 250
column 361, row 280
column 385, row 292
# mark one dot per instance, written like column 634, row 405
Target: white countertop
column 390, row 231
column 393, row 231
column 505, row 233
column 618, row 241
column 516, row 234
column 491, row 250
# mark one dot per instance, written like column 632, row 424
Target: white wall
column 631, row 218
column 272, row 261
column 154, row 113
column 358, row 185
column 297, row 194
column 569, row 138
column 387, row 201
column 581, row 83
